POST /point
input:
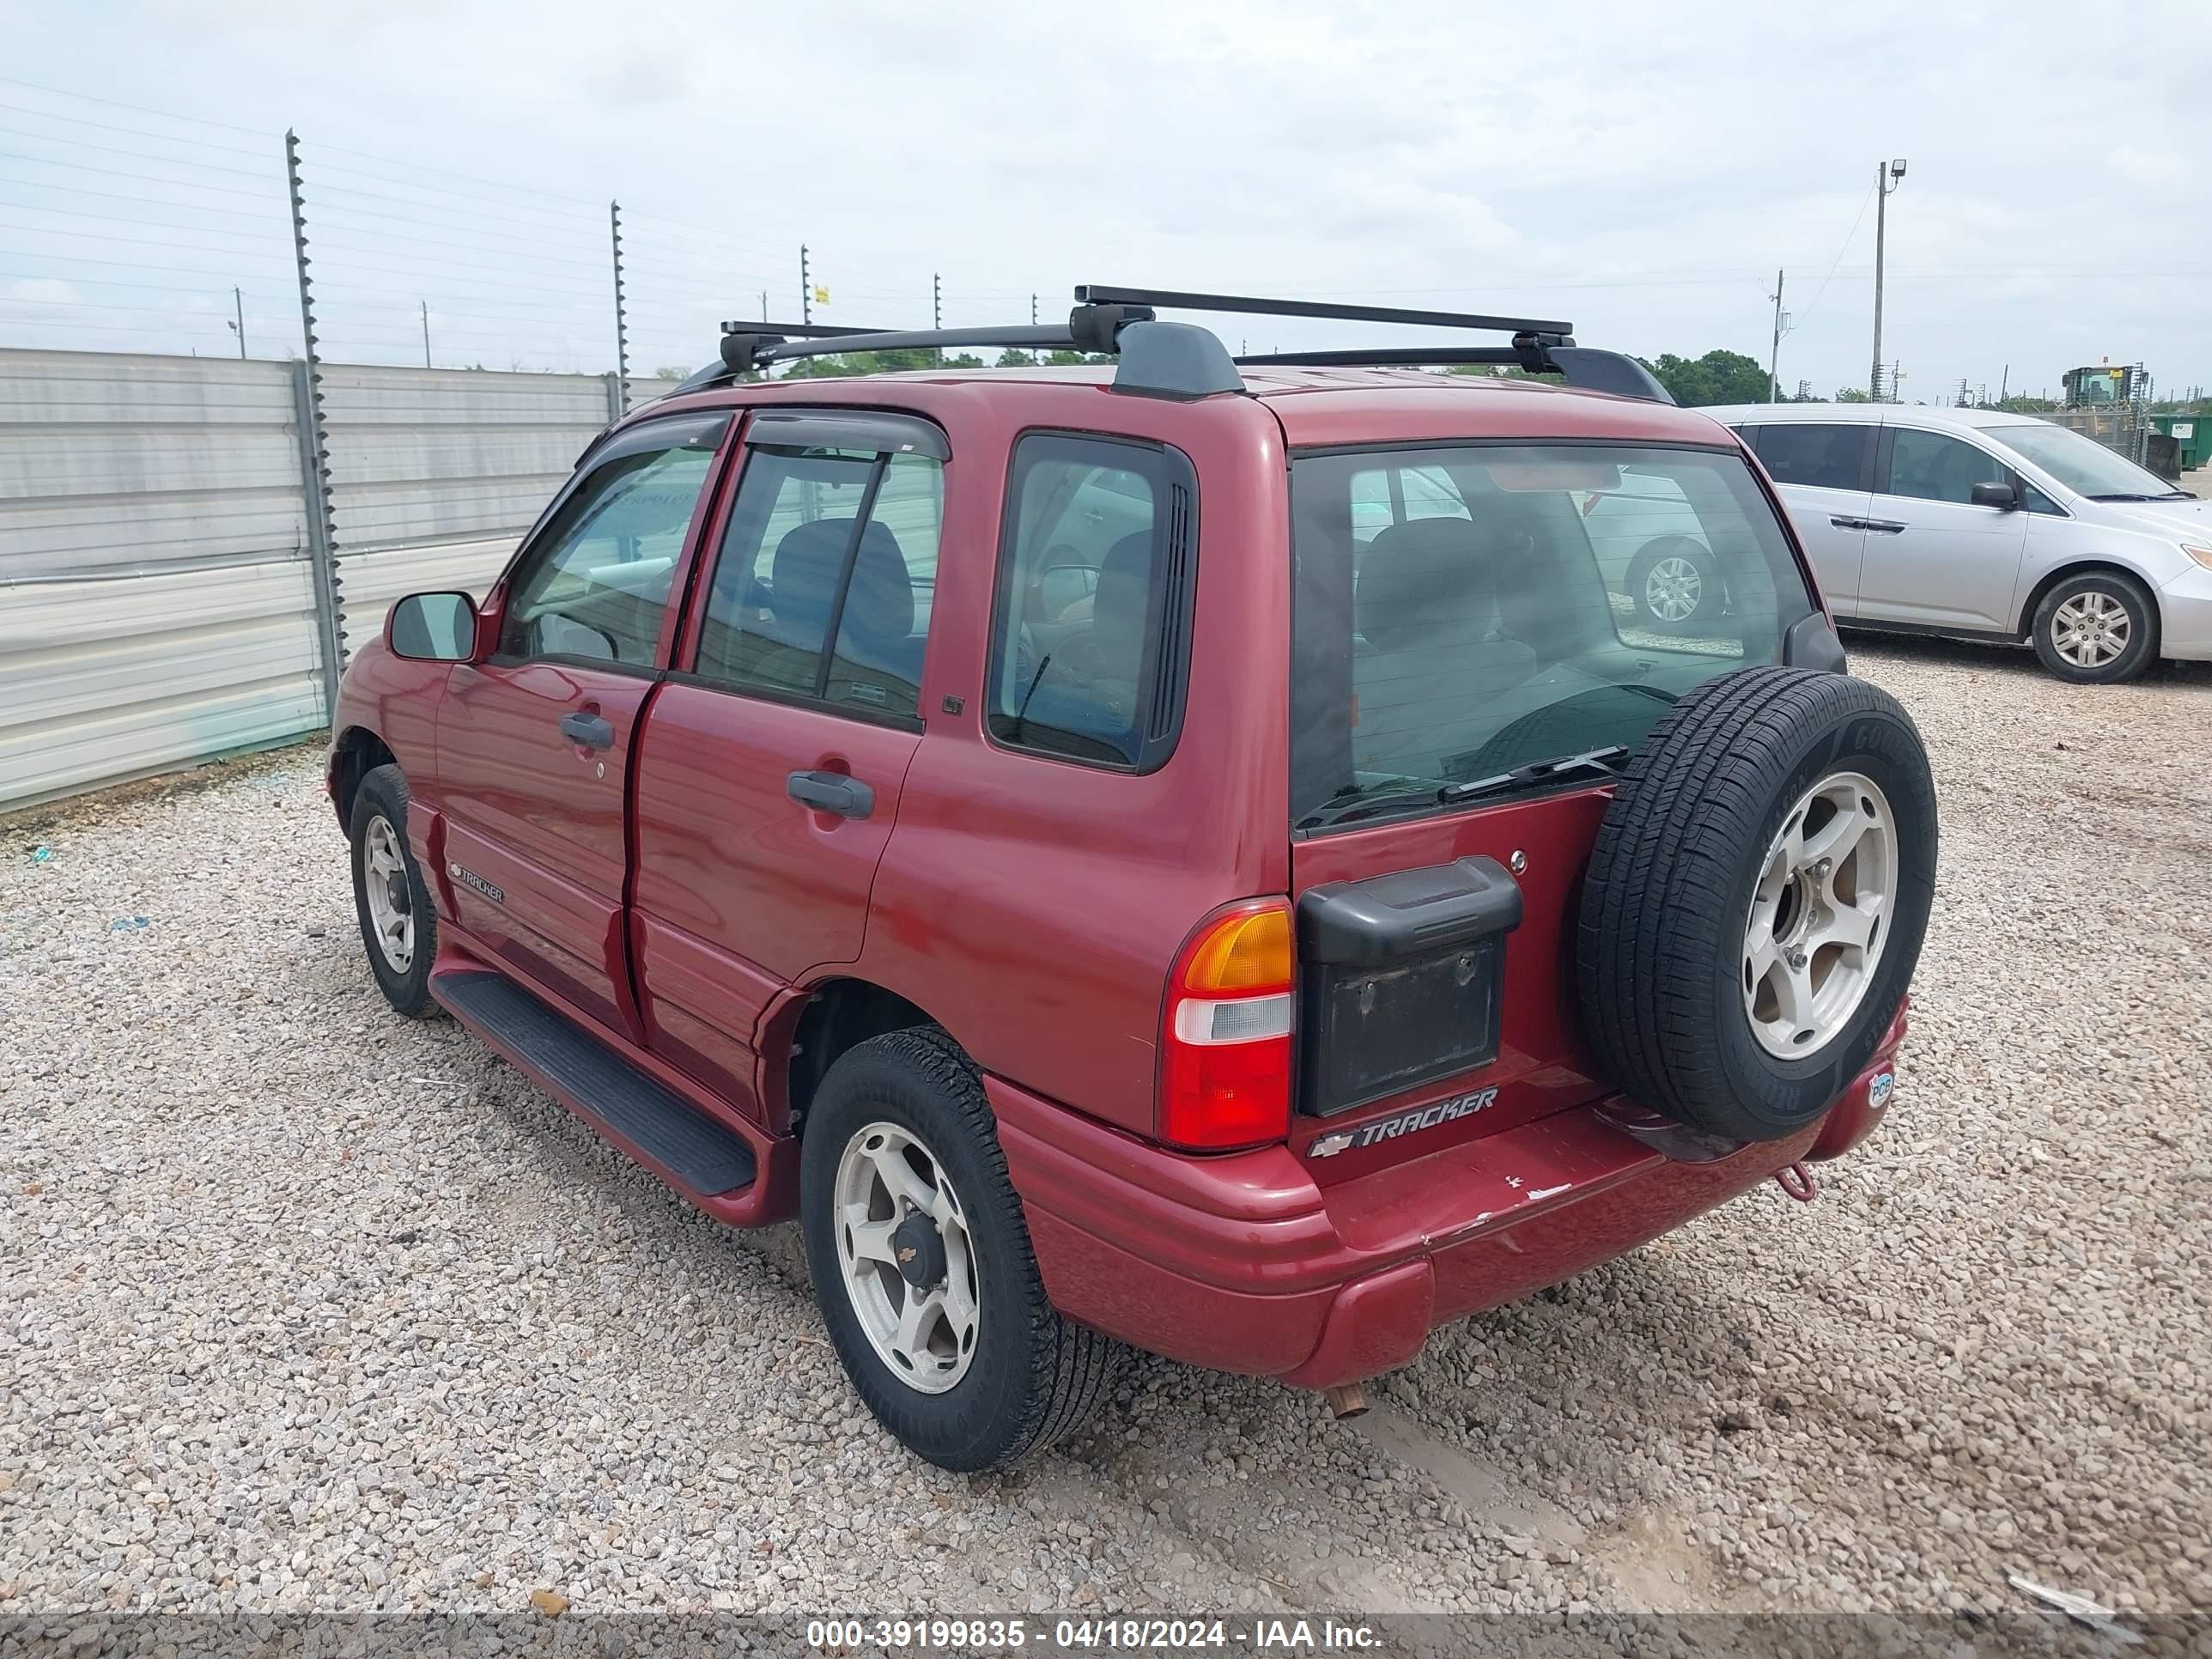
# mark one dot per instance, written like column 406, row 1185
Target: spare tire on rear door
column 1756, row 901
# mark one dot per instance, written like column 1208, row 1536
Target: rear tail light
column 1225, row 1039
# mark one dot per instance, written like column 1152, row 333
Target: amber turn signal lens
column 1244, row 953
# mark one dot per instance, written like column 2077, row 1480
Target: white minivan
column 1973, row 523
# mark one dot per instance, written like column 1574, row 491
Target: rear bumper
column 1243, row 1263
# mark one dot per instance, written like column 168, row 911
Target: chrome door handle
column 1888, row 526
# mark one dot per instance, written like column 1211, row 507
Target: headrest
column 1125, row 585
column 879, row 605
column 1426, row 581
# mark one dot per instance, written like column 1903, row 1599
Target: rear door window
column 1819, row 454
column 1092, row 637
column 824, row 544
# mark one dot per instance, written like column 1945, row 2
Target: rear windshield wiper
column 1348, row 807
column 1544, row 771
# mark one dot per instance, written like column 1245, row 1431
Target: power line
column 1857, row 220
column 136, row 109
column 134, row 132
column 145, row 155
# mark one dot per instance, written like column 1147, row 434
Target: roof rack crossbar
column 1041, row 334
column 1168, row 299
column 795, row 330
column 1587, row 367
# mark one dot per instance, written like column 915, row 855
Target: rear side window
column 1825, row 457
column 827, row 543
column 1573, row 593
column 1092, row 643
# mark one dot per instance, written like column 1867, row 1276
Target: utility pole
column 426, row 334
column 2004, row 384
column 805, row 288
column 238, row 308
column 1887, row 176
column 1774, row 352
column 937, row 307
column 1034, row 358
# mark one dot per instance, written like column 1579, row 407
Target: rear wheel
column 399, row 928
column 1675, row 585
column 922, row 1265
column 1756, row 899
column 2097, row 629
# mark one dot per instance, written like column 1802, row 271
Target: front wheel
column 399, row 928
column 2097, row 629
column 923, row 1266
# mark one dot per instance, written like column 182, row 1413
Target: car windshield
column 1470, row 615
column 2082, row 465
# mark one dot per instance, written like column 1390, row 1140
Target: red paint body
column 670, row 896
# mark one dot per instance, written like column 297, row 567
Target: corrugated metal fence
column 158, row 597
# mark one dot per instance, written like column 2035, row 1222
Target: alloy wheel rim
column 1673, row 589
column 906, row 1257
column 390, row 899
column 1820, row 914
column 2091, row 629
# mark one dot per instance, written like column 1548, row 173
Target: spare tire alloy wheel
column 1814, row 937
column 1756, row 900
column 908, row 1265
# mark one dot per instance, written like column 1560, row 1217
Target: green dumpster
column 2192, row 433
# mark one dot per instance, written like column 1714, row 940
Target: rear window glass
column 1493, row 607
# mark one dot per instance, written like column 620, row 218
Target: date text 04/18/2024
column 1086, row 1635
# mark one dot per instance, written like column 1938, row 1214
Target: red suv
column 1198, row 852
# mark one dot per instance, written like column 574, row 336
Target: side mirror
column 2003, row 496
column 433, row 628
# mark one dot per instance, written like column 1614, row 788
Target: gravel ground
column 302, row 1304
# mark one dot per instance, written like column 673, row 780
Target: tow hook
column 1797, row 1181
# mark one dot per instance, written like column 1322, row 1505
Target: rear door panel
column 741, row 890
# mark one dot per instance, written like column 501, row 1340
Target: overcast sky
column 1639, row 170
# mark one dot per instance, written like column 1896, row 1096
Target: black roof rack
column 1539, row 346
column 1182, row 361
column 1172, row 299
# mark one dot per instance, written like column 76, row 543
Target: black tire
column 1665, row 906
column 2141, row 648
column 383, row 794
column 1711, row 597
column 1036, row 1375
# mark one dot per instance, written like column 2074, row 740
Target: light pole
column 1887, row 176
column 238, row 306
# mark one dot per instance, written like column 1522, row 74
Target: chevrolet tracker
column 1204, row 853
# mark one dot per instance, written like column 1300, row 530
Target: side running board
column 601, row 1085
